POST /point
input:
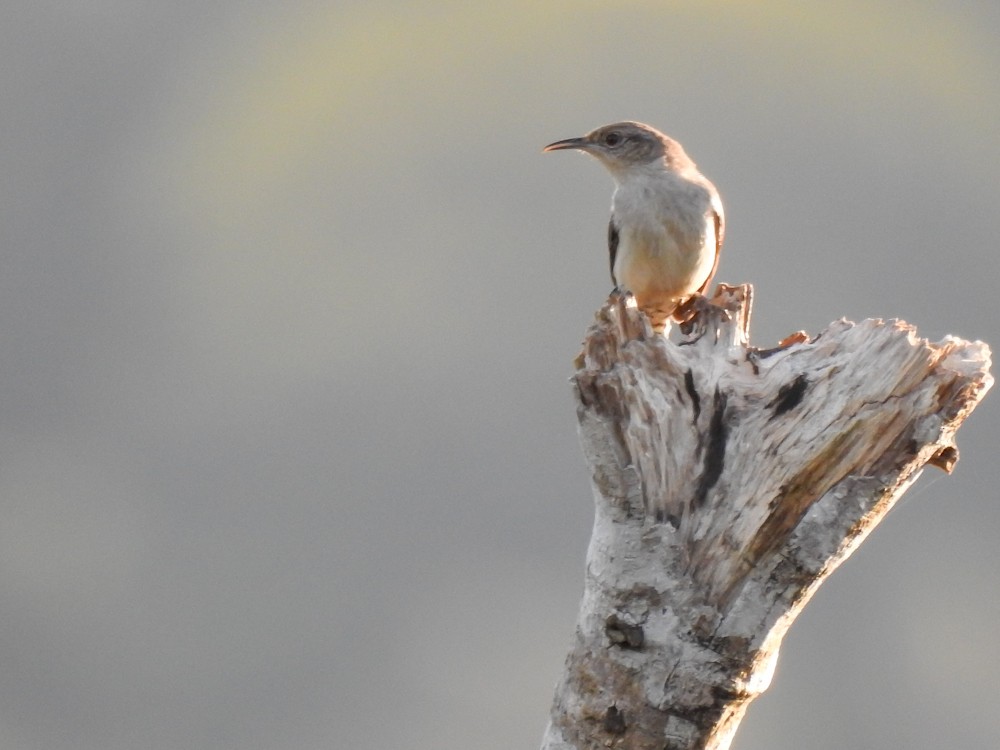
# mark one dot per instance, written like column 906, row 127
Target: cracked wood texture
column 729, row 482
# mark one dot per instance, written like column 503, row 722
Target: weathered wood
column 729, row 482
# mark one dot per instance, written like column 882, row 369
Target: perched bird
column 666, row 218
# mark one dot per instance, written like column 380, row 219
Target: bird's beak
column 580, row 143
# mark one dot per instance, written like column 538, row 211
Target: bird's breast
column 662, row 263
column 666, row 234
column 666, row 237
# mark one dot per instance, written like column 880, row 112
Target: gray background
column 289, row 303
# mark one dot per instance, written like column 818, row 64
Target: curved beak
column 579, row 143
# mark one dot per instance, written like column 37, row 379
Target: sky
column 290, row 299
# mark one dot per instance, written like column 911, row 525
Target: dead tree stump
column 729, row 483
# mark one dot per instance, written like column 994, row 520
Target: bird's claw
column 688, row 312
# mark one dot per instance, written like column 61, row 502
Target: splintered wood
column 729, row 482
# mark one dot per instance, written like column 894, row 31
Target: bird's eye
column 612, row 139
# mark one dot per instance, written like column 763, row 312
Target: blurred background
column 290, row 298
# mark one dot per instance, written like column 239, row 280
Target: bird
column 667, row 222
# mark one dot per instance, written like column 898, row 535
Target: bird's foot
column 688, row 311
column 618, row 294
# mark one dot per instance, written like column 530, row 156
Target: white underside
column 666, row 237
column 657, row 264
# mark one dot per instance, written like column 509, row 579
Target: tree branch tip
column 945, row 459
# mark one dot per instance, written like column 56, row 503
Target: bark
column 729, row 483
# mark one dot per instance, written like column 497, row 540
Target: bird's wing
column 719, row 222
column 613, row 247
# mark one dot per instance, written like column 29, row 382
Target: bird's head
column 624, row 146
